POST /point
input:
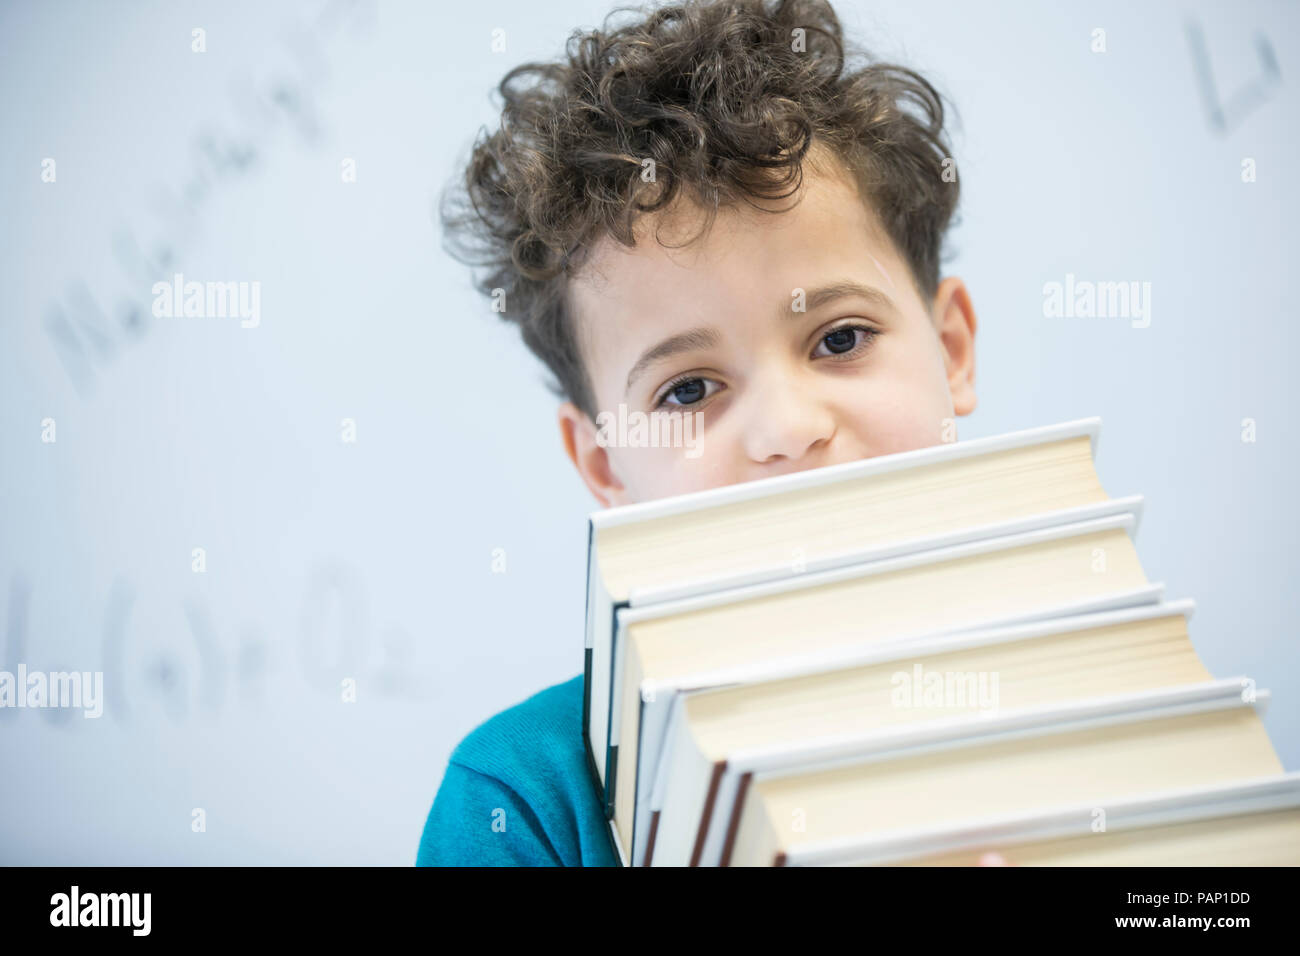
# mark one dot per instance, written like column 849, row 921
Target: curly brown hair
column 727, row 97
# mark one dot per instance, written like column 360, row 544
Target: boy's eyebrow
column 705, row 337
column 701, row 338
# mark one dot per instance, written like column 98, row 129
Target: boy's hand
column 992, row 859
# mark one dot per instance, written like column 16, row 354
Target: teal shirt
column 517, row 792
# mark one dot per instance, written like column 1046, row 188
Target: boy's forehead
column 746, row 264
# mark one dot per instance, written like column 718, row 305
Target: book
column 778, row 619
column 1099, row 750
column 740, row 638
column 772, row 623
column 720, row 728
column 812, row 520
column 1253, row 822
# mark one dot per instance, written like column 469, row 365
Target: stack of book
column 914, row 658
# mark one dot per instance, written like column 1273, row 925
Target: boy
column 704, row 211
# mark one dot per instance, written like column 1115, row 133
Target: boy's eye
column 847, row 339
column 687, row 391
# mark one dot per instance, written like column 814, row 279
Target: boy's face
column 795, row 340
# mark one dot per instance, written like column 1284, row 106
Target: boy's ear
column 578, row 433
column 954, row 320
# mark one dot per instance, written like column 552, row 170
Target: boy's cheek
column 900, row 428
column 651, row 473
column 905, row 409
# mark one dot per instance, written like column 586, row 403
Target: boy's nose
column 787, row 426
